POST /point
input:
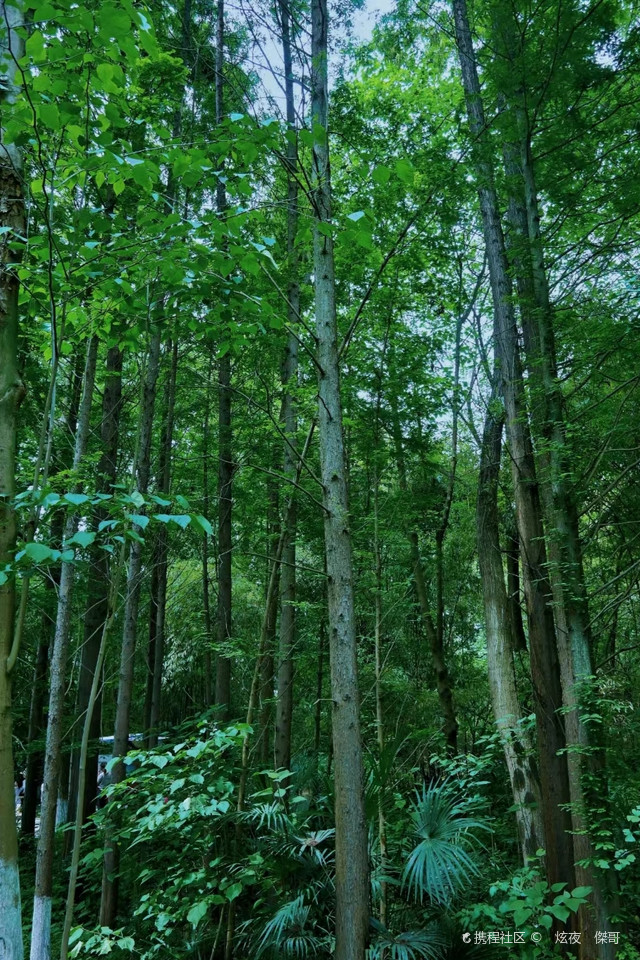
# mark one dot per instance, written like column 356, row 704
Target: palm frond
column 427, row 944
column 440, row 866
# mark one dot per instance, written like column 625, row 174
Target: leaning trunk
column 53, row 766
column 97, row 589
column 542, row 641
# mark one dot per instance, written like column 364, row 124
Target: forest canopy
column 319, row 559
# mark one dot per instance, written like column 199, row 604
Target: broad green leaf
column 197, row 912
column 38, row 552
column 83, row 538
column 76, row 499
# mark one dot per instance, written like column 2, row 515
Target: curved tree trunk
column 54, row 769
column 542, row 641
column 96, row 609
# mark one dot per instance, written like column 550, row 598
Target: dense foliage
column 164, row 595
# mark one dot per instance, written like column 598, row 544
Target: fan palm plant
column 441, row 865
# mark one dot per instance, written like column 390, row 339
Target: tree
column 352, row 872
column 12, row 220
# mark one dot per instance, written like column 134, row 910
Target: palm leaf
column 428, row 944
column 440, row 866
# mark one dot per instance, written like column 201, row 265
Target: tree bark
column 12, row 220
column 97, row 589
column 517, row 748
column 53, row 767
column 284, row 703
column 566, row 572
column 263, row 746
column 109, row 899
column 161, row 556
column 225, row 446
column 542, row 641
column 352, row 867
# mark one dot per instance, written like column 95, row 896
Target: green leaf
column 49, row 114
column 76, row 498
column 38, row 552
column 202, row 522
column 560, row 912
column 579, row 892
column 197, row 912
column 139, row 519
column 381, row 175
column 358, row 215
column 233, row 891
column 182, row 519
column 83, row 538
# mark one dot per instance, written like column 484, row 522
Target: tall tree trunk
column 563, row 541
column 35, row 757
column 382, row 826
column 542, row 642
column 352, row 868
column 517, row 748
column 54, row 770
column 96, row 609
column 206, row 587
column 284, row 704
column 161, row 557
column 263, row 746
column 84, row 747
column 225, row 445
column 317, row 726
column 109, row 899
column 12, row 220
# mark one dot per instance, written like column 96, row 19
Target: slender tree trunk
column 382, row 826
column 271, row 599
column 35, row 758
column 206, row 589
column 161, row 568
column 84, row 750
column 352, row 867
column 109, row 899
column 54, row 769
column 542, row 642
column 12, row 220
column 225, row 445
column 518, row 750
column 97, row 589
column 322, row 643
column 284, row 704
